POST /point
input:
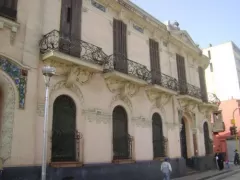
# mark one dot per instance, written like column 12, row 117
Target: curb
column 221, row 175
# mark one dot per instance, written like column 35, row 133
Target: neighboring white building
column 223, row 72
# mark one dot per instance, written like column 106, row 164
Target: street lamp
column 47, row 72
column 234, row 125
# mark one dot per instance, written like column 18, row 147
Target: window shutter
column 202, row 84
column 181, row 74
column 8, row 9
column 120, row 46
column 64, row 43
column 76, row 12
column 155, row 61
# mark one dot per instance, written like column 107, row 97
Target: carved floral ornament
column 73, row 72
column 74, row 88
column 206, row 111
column 122, row 87
column 187, row 105
column 160, row 99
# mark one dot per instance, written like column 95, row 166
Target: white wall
column 224, row 79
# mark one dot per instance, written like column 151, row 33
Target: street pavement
column 235, row 176
column 215, row 174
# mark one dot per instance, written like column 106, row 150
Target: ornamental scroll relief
column 97, row 116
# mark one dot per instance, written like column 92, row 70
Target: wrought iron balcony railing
column 122, row 148
column 213, row 99
column 189, row 89
column 66, row 145
column 57, row 41
column 164, row 80
column 121, row 64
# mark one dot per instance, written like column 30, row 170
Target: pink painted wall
column 227, row 108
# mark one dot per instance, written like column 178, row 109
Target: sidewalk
column 210, row 174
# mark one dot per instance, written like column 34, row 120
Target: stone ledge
column 65, row 164
column 123, row 161
column 11, row 25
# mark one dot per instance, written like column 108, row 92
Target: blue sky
column 207, row 21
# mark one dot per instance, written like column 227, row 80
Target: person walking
column 236, row 157
column 220, row 160
column 166, row 169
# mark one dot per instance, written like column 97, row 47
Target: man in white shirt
column 166, row 169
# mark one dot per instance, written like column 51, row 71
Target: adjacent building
column 128, row 90
column 223, row 73
column 224, row 141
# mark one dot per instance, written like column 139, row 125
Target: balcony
column 119, row 67
column 164, row 83
column 189, row 91
column 213, row 99
column 64, row 48
column 218, row 123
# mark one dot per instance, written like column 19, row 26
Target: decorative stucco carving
column 61, row 68
column 125, row 100
column 160, row 99
column 40, row 109
column 122, row 87
column 187, row 105
column 205, row 110
column 97, row 115
column 76, row 74
column 74, row 88
column 7, row 118
column 141, row 122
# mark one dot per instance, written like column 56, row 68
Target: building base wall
column 203, row 163
column 138, row 171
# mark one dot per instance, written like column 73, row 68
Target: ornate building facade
column 128, row 91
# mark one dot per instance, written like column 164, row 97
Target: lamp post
column 47, row 72
column 234, row 124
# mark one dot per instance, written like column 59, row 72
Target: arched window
column 157, row 136
column 207, row 142
column 64, row 129
column 8, row 9
column 121, row 140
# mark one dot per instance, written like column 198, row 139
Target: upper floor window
column 209, row 54
column 8, row 9
column 211, row 67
